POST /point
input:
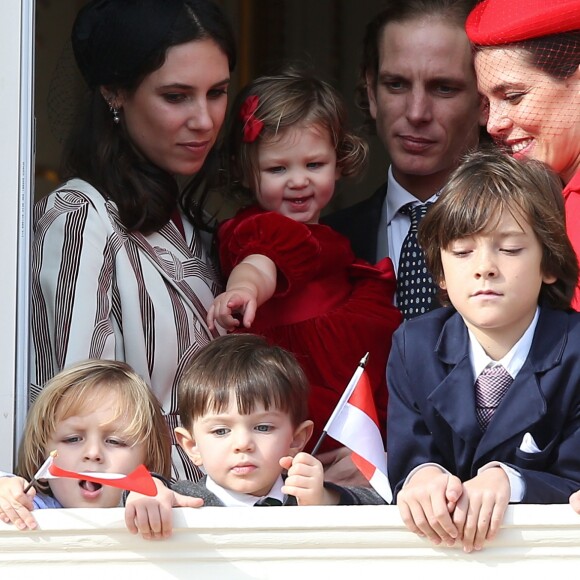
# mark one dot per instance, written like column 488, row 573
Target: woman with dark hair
column 121, row 267
column 528, row 67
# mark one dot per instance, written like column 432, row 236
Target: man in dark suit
column 418, row 86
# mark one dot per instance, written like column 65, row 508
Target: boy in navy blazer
column 496, row 244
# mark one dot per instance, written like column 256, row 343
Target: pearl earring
column 114, row 111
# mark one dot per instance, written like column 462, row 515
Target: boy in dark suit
column 484, row 405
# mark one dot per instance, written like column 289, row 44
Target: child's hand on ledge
column 15, row 505
column 152, row 517
column 426, row 503
column 481, row 508
column 575, row 501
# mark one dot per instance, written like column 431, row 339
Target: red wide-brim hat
column 496, row 22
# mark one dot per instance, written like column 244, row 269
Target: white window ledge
column 297, row 543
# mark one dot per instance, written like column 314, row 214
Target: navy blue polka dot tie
column 416, row 292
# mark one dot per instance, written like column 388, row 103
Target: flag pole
column 343, row 399
column 38, row 475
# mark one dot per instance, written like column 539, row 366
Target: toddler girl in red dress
column 290, row 279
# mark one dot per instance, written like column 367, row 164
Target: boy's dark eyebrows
column 209, row 417
column 511, row 233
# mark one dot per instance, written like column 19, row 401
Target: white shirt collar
column 236, row 499
column 398, row 196
column 394, row 226
column 513, row 361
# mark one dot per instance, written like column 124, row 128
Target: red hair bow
column 252, row 126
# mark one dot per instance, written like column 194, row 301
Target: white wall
column 15, row 169
column 366, row 542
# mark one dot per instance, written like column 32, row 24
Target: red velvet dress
column 572, row 202
column 329, row 308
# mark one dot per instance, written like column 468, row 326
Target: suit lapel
column 522, row 406
column 454, row 397
column 365, row 226
column 525, row 402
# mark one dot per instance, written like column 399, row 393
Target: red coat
column 572, row 202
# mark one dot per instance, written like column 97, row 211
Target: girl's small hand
column 227, row 308
column 15, row 505
column 152, row 517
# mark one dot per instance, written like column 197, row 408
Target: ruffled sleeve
column 289, row 244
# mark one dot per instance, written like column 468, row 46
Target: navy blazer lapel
column 522, row 406
column 454, row 397
column 525, row 402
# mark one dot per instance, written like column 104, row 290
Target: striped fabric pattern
column 99, row 291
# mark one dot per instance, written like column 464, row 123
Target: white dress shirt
column 394, row 226
column 236, row 499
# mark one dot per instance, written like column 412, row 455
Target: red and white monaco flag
column 356, row 426
column 139, row 480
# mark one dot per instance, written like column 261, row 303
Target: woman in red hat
column 527, row 62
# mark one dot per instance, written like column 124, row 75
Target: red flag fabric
column 356, row 426
column 139, row 480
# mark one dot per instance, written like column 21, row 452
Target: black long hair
column 102, row 153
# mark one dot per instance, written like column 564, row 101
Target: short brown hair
column 247, row 367
column 454, row 12
column 67, row 393
column 485, row 185
column 292, row 97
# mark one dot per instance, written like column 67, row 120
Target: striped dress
column 99, row 291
